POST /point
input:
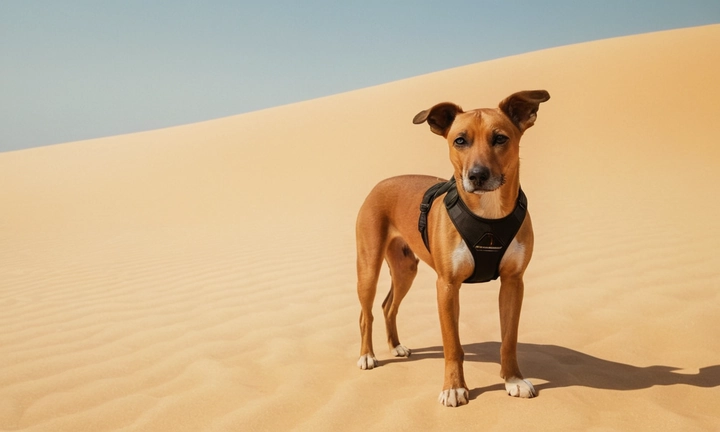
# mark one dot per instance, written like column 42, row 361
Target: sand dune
column 201, row 278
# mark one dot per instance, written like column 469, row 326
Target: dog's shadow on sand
column 564, row 367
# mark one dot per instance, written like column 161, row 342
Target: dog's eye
column 460, row 142
column 499, row 140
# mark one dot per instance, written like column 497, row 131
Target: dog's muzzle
column 479, row 179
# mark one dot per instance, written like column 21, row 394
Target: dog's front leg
column 455, row 392
column 510, row 299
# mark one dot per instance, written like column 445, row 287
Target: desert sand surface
column 202, row 277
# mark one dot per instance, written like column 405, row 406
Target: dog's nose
column 478, row 175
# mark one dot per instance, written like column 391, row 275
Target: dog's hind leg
column 371, row 239
column 403, row 268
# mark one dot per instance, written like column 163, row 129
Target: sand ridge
column 187, row 278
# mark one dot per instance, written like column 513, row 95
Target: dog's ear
column 521, row 107
column 439, row 117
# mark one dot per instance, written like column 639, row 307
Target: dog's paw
column 367, row 361
column 453, row 397
column 517, row 387
column 401, row 351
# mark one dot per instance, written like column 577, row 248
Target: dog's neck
column 496, row 204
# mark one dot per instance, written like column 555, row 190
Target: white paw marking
column 453, row 397
column 367, row 361
column 517, row 387
column 401, row 351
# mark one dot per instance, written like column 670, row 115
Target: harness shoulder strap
column 435, row 191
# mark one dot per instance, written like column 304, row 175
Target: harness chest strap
column 487, row 239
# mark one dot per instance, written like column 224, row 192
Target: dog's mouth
column 490, row 185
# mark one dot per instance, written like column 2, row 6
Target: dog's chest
column 462, row 258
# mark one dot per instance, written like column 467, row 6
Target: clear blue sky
column 72, row 69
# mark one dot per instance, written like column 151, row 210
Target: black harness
column 487, row 239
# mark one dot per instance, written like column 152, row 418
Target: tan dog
column 484, row 151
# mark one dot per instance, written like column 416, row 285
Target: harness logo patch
column 488, row 243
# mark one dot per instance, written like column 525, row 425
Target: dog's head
column 484, row 143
